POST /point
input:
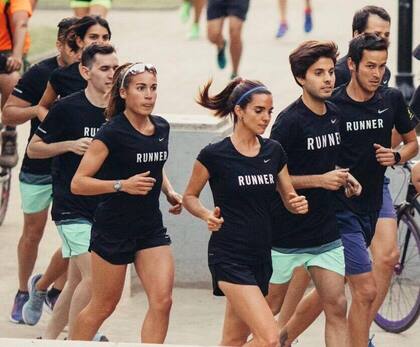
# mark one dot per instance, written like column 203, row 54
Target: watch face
column 117, row 186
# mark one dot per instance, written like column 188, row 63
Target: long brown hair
column 116, row 103
column 224, row 102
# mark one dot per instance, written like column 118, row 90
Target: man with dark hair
column 308, row 130
column 369, row 19
column 369, row 112
column 35, row 175
column 65, row 134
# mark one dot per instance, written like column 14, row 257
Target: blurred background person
column 83, row 8
column 284, row 26
column 186, row 6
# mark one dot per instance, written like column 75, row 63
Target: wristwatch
column 117, row 186
column 397, row 157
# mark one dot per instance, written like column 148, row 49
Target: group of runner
column 300, row 205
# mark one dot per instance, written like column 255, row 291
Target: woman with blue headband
column 244, row 171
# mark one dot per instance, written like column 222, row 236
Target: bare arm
column 17, row 111
column 173, row 197
column 331, row 180
column 294, row 203
column 192, row 203
column 385, row 156
column 46, row 101
column 38, row 149
column 84, row 183
column 19, row 25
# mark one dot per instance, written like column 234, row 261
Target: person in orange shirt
column 14, row 44
column 14, row 37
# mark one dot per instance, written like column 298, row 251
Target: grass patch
column 121, row 4
column 42, row 40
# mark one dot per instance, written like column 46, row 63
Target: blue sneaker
column 221, row 56
column 32, row 310
column 370, row 342
column 20, row 299
column 282, row 30
column 308, row 21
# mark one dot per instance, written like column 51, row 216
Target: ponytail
column 238, row 92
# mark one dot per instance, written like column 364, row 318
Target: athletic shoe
column 194, row 32
column 20, row 299
column 308, row 21
column 50, row 303
column 282, row 30
column 221, row 56
column 100, row 338
column 185, row 11
column 32, row 310
column 8, row 155
column 233, row 75
column 370, row 342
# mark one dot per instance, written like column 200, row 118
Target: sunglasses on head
column 137, row 68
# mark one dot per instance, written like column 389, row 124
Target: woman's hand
column 140, row 184
column 214, row 219
column 175, row 200
column 297, row 204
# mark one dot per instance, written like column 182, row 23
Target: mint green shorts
column 75, row 236
column 88, row 3
column 35, row 197
column 284, row 263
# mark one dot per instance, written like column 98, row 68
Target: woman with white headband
column 244, row 171
column 129, row 152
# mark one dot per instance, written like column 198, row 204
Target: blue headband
column 244, row 95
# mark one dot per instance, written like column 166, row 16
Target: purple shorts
column 357, row 232
column 387, row 209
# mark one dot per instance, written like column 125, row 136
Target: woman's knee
column 161, row 303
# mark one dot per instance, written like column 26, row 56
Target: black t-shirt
column 69, row 119
column 312, row 144
column 131, row 153
column 362, row 125
column 343, row 76
column 67, row 80
column 31, row 88
column 243, row 187
column 415, row 103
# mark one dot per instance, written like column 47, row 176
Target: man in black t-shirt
column 369, row 19
column 65, row 134
column 369, row 112
column 35, row 175
column 309, row 132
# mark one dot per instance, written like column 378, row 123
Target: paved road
column 183, row 65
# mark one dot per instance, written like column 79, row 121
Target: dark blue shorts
column 225, row 8
column 119, row 250
column 387, row 209
column 357, row 231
